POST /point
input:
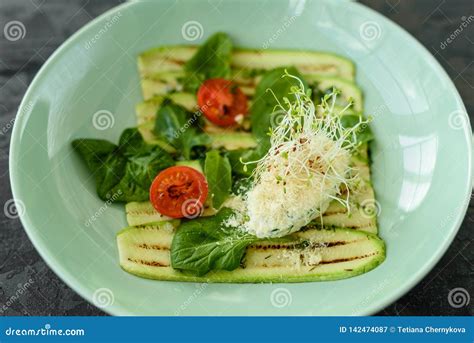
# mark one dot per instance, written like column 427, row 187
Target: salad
column 245, row 166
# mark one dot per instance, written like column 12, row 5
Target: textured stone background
column 50, row 22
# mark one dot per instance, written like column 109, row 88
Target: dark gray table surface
column 50, row 22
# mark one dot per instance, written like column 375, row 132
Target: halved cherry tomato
column 221, row 101
column 179, row 192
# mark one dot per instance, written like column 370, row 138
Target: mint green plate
column 421, row 158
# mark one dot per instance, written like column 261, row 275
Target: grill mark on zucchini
column 340, row 260
column 152, row 247
column 141, row 212
column 250, row 82
column 313, row 266
column 334, row 244
column 273, row 246
column 323, row 67
column 148, row 263
column 262, row 246
column 176, row 61
column 247, row 83
column 300, row 245
column 340, row 211
column 355, row 227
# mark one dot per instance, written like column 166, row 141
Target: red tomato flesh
column 179, row 192
column 221, row 101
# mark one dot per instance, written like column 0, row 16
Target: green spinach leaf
column 174, row 124
column 236, row 157
column 263, row 113
column 204, row 244
column 94, row 152
column 212, row 60
column 219, row 177
column 192, row 140
column 123, row 172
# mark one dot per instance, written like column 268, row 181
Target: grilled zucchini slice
column 314, row 255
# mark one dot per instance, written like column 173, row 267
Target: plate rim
column 68, row 277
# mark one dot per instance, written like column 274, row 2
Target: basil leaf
column 191, row 140
column 94, row 152
column 174, row 125
column 204, row 244
column 109, row 175
column 170, row 121
column 263, row 111
column 219, row 177
column 212, row 60
column 236, row 157
column 123, row 173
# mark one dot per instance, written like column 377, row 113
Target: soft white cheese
column 296, row 186
column 237, row 219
